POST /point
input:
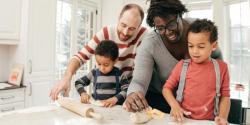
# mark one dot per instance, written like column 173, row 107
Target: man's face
column 169, row 28
column 128, row 24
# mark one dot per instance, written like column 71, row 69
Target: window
column 239, row 29
column 202, row 13
column 75, row 25
column 239, row 48
column 199, row 9
column 63, row 36
column 85, row 25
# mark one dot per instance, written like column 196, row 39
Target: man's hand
column 135, row 102
column 62, row 86
column 109, row 102
column 85, row 97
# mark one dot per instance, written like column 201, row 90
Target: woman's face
column 169, row 28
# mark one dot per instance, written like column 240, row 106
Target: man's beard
column 123, row 37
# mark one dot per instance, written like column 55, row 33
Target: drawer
column 12, row 95
column 11, row 106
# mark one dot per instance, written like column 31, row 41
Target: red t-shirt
column 199, row 90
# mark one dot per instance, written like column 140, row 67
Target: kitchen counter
column 55, row 115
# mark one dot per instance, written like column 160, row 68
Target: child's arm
column 85, row 98
column 224, row 104
column 224, row 108
column 176, row 111
column 124, row 87
column 82, row 82
column 171, row 83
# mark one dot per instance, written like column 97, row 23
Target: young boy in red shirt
column 196, row 99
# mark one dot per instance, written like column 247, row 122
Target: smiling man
column 127, row 34
column 158, row 54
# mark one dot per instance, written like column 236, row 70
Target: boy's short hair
column 108, row 49
column 204, row 25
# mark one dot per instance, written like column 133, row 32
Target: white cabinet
column 41, row 50
column 10, row 20
column 35, row 48
column 12, row 99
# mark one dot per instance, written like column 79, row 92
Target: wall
column 110, row 14
column 4, row 62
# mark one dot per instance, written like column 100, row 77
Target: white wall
column 110, row 13
column 4, row 62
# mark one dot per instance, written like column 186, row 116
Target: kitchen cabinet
column 10, row 14
column 41, row 50
column 12, row 99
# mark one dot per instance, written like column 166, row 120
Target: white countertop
column 54, row 115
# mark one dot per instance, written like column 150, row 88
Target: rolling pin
column 79, row 108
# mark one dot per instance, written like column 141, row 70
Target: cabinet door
column 41, row 40
column 11, row 107
column 10, row 19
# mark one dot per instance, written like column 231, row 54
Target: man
column 158, row 54
column 127, row 34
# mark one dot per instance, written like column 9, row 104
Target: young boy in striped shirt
column 109, row 84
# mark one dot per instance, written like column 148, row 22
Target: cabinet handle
column 30, row 93
column 8, row 97
column 8, row 109
column 30, row 66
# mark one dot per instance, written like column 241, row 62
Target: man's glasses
column 172, row 25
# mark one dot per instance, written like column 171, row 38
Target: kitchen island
column 56, row 115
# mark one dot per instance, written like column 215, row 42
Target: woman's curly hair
column 163, row 9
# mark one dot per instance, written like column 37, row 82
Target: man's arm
column 81, row 57
column 64, row 83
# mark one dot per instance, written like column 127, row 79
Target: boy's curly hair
column 107, row 48
column 204, row 25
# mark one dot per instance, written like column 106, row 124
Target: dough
column 140, row 117
column 96, row 102
column 146, row 115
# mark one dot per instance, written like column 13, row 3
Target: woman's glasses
column 172, row 25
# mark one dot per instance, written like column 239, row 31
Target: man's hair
column 108, row 49
column 204, row 25
column 131, row 6
column 163, row 9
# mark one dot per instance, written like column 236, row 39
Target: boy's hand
column 178, row 113
column 220, row 121
column 109, row 102
column 85, row 97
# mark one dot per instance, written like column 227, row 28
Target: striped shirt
column 105, row 85
column 127, row 49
